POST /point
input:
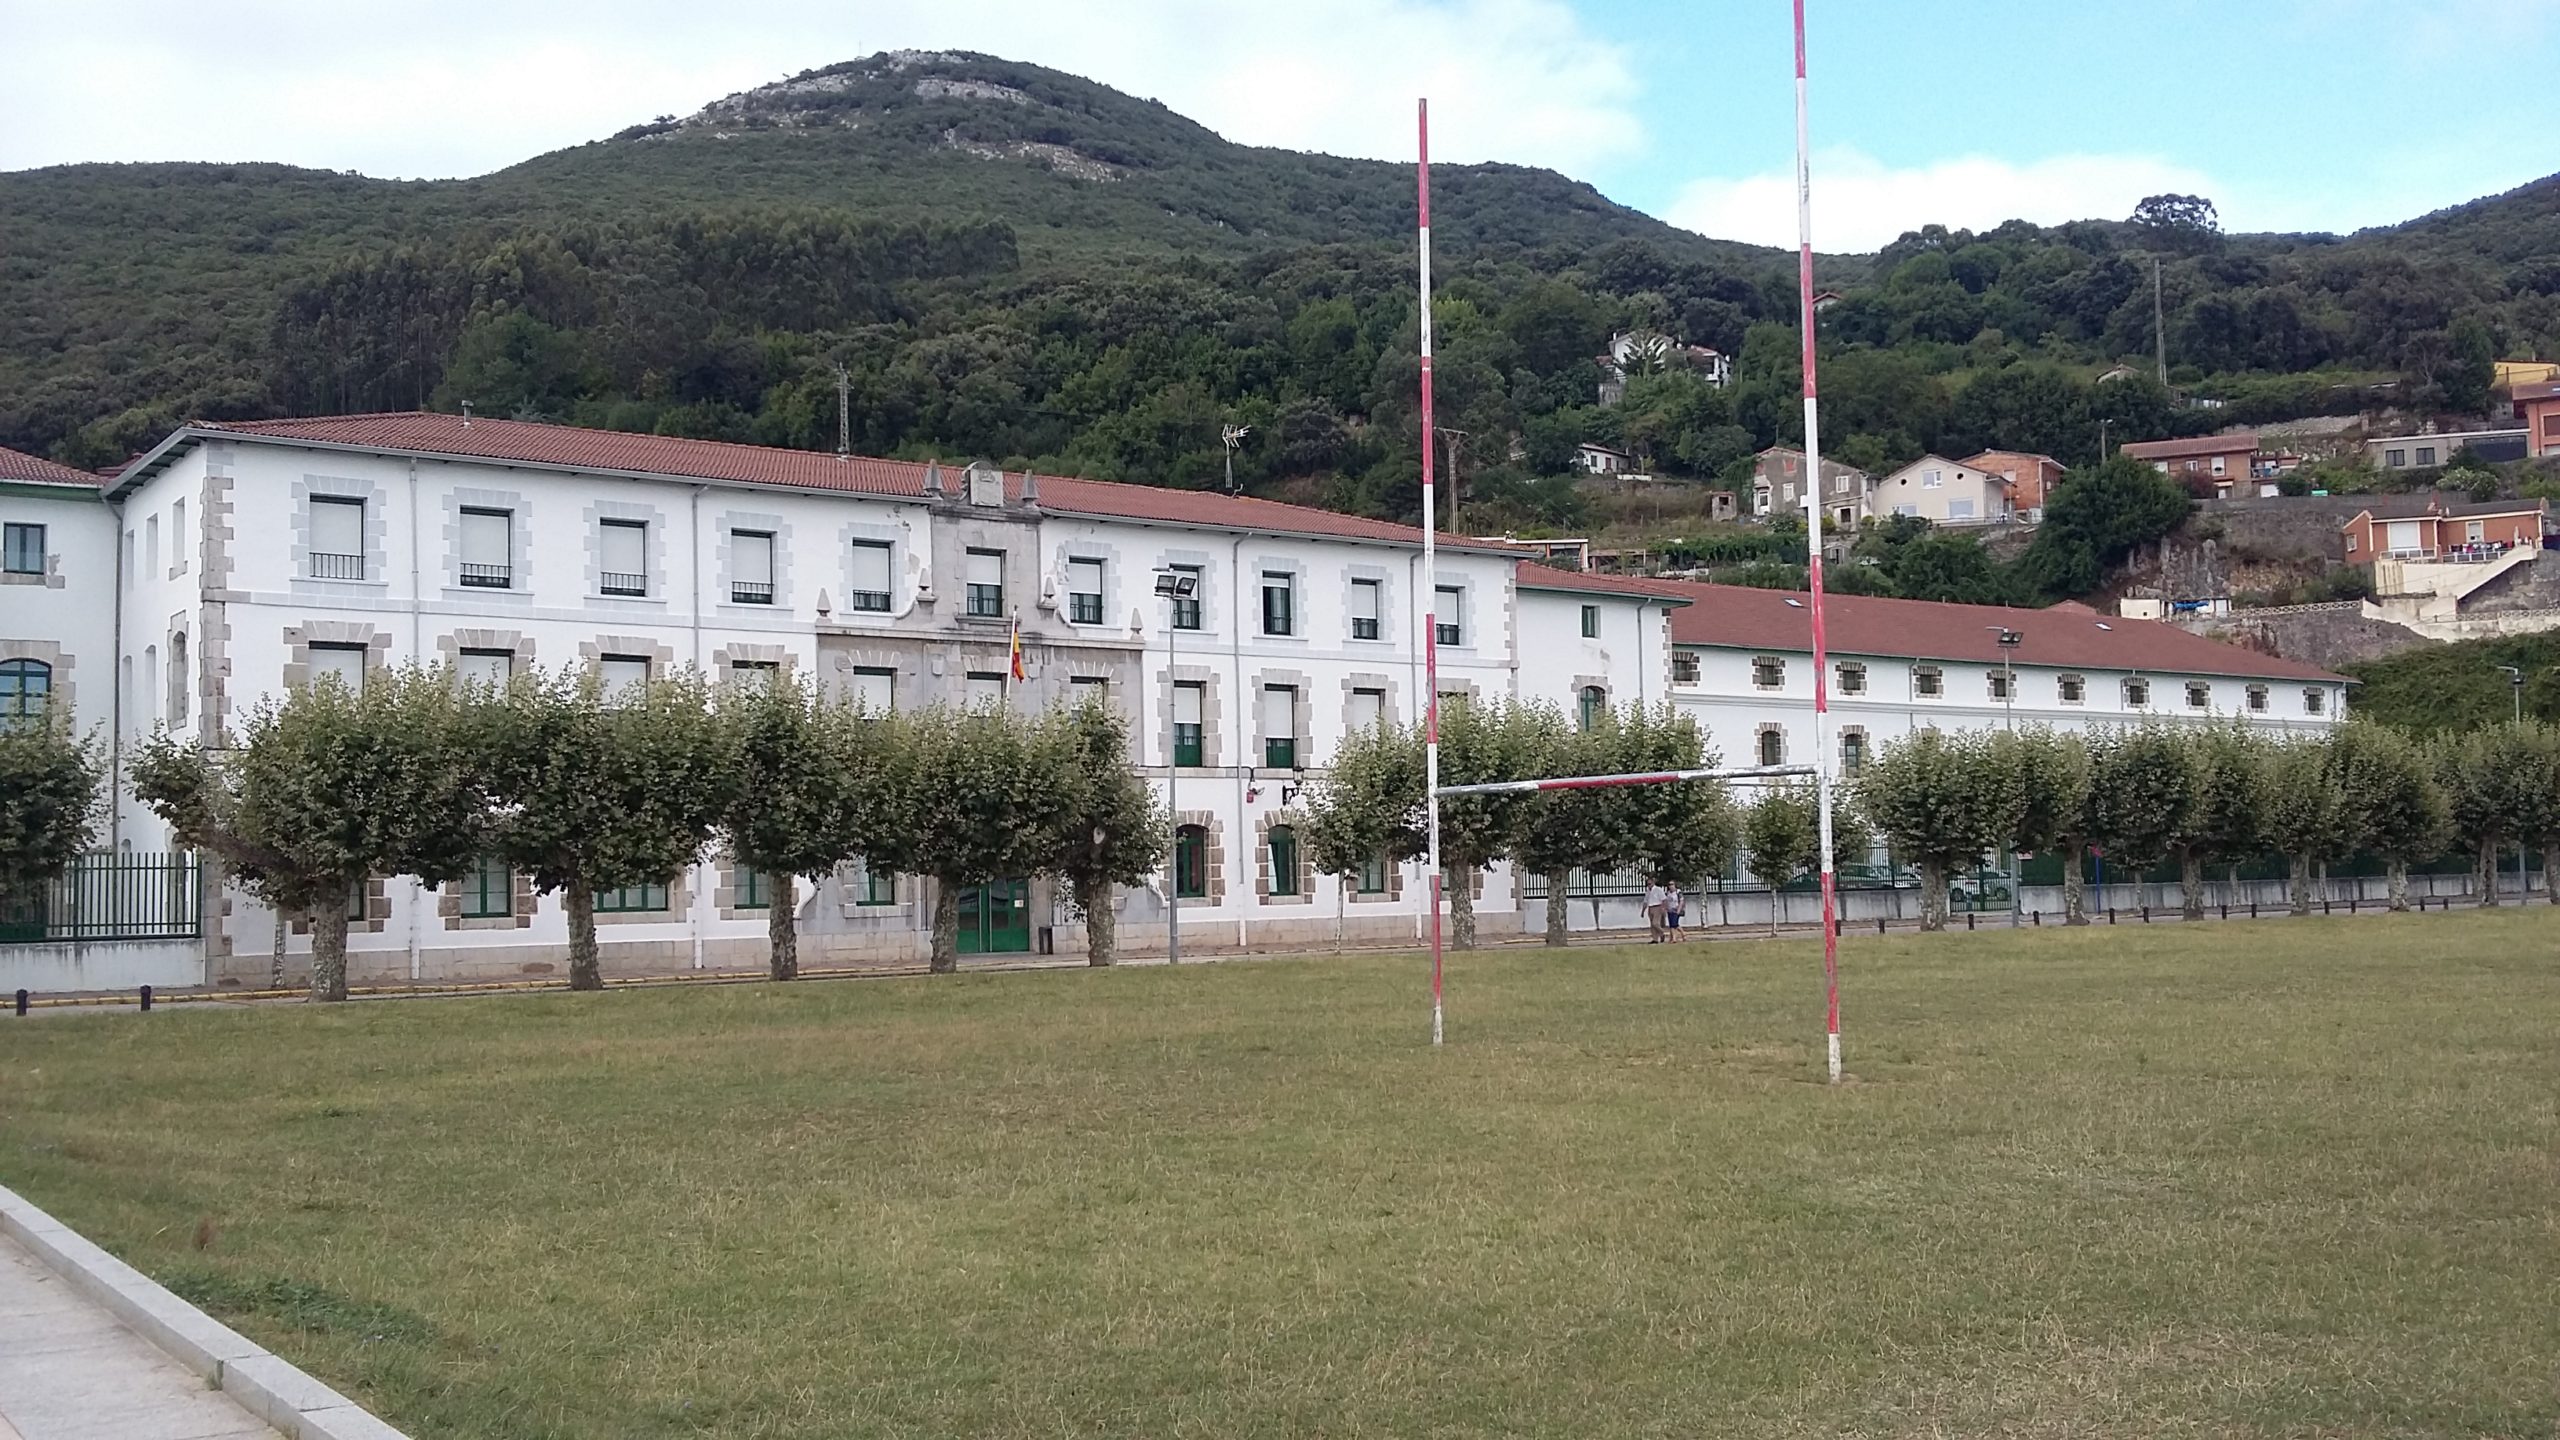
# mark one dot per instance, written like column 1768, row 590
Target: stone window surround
column 1928, row 672
column 726, row 658
column 725, row 564
column 1581, row 683
column 1101, row 554
column 1352, row 894
column 2062, row 689
column 450, row 645
column 591, row 653
column 679, row 904
column 178, row 680
column 1262, row 828
column 525, row 903
column 377, row 910
column 1370, row 680
column 1859, row 734
column 653, row 552
column 1213, row 856
column 1300, row 612
column 376, row 523
column 1467, row 617
column 50, row 577
column 1206, row 677
column 901, row 895
column 1206, row 592
column 298, row 640
column 1760, row 743
column 1843, row 669
column 2256, row 699
column 2126, row 687
column 519, row 539
column 1778, row 664
column 2195, row 688
column 725, row 887
column 1385, row 580
column 910, row 582
column 1301, row 717
column 59, row 695
column 1993, row 677
column 1697, row 671
column 2315, row 701
column 900, row 664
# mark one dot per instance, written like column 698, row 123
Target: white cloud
column 1861, row 204
column 474, row 85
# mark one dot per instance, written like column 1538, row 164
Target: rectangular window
column 870, row 591
column 750, row 567
column 986, row 690
column 1186, row 608
column 493, row 668
column 1280, row 727
column 1084, row 592
column 868, row 886
column 151, row 545
column 2137, row 692
column 2071, row 688
column 753, row 891
column 1773, row 746
column 1590, row 707
column 1932, row 479
column 488, row 549
column 337, row 538
column 1367, row 709
column 1448, row 614
column 1768, row 672
column 1590, row 622
column 2199, row 695
column 1373, row 876
column 1189, row 697
column 22, row 553
column 1959, row 509
column 1853, row 750
column 2258, row 698
column 986, row 584
column 489, row 891
column 1088, row 690
column 2314, row 701
column 1190, row 863
column 632, row 900
column 753, row 672
column 2000, row 685
column 2551, row 426
column 1366, row 608
column 344, row 661
column 2396, row 459
column 622, row 548
column 178, row 538
column 1684, row 667
column 1284, row 860
column 1279, row 602
column 624, row 676
column 2426, row 456
column 1928, row 681
column 875, row 689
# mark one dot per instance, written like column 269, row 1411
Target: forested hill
column 1018, row 264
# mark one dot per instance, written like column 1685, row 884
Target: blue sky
column 2291, row 114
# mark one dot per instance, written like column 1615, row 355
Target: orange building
column 2413, row 527
column 2538, row 410
column 2029, row 476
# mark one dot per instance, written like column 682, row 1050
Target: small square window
column 985, row 690
column 2257, row 698
column 1928, row 681
column 2396, row 459
column 2137, row 692
column 2199, row 695
column 23, row 551
column 2426, row 455
column 2000, row 685
column 1768, row 672
column 1684, row 667
column 1853, row 678
column 2314, row 701
column 493, row 668
column 1590, row 622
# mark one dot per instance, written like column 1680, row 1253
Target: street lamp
column 1175, row 586
column 2010, row 640
column 2515, row 685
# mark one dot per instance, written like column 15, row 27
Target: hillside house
column 1601, row 459
column 2538, row 409
column 2030, row 477
column 1943, row 492
column 2429, row 527
column 2211, row 465
column 2428, row 452
column 1778, row 487
column 1642, row 352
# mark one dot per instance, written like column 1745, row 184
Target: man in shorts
column 1655, row 898
column 1674, row 905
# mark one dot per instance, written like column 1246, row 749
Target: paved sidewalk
column 69, row 1371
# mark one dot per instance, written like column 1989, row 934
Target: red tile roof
column 1740, row 617
column 1534, row 576
column 2200, row 445
column 18, row 465
column 569, row 447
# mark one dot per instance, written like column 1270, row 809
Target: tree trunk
column 782, row 926
column 1557, row 900
column 2075, row 886
column 1462, row 909
column 2190, row 887
column 2488, row 874
column 1101, row 928
column 2396, row 877
column 579, row 899
column 275, row 966
column 946, row 928
column 1933, row 895
column 329, row 951
column 2301, row 885
column 2551, row 870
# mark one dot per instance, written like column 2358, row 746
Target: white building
column 348, row 545
column 1742, row 665
column 57, row 594
column 1942, row 491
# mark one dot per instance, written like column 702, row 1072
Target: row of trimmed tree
column 586, row 792
column 2219, row 797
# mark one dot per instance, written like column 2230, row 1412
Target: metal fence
column 113, row 896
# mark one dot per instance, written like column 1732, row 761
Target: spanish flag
column 1017, row 647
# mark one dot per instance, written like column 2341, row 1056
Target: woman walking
column 1654, row 900
column 1674, row 905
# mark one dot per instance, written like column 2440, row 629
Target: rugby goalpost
column 1823, row 763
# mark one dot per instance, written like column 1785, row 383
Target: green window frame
column 1279, row 602
column 1284, row 860
column 1373, row 875
column 754, row 892
column 1191, row 862
column 871, row 887
column 26, row 690
column 1590, row 622
column 488, row 892
column 1187, row 735
column 632, row 900
column 1589, row 706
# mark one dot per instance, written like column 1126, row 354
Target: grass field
column 2293, row 1178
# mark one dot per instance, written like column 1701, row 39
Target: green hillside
column 1015, row 263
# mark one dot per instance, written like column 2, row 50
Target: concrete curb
column 265, row 1385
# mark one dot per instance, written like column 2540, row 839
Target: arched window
column 1191, row 862
column 1284, row 860
column 1594, row 704
column 1773, row 746
column 1853, row 749
column 26, row 688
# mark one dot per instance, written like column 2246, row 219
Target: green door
column 995, row 918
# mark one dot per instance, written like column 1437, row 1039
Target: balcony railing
column 874, row 600
column 621, row 582
column 488, row 577
column 748, row 592
column 986, row 602
column 1084, row 609
column 325, row 566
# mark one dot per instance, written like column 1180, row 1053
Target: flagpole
column 1822, row 756
column 1430, row 576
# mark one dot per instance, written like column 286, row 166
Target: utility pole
column 844, row 411
column 2103, row 422
column 2159, row 329
column 1457, row 441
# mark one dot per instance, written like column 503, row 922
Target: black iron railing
column 326, row 566
column 109, row 896
column 488, row 577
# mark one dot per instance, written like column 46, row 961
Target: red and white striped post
column 1822, row 758
column 1430, row 583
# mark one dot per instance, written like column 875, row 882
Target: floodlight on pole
column 2515, row 686
column 2009, row 640
column 1175, row 586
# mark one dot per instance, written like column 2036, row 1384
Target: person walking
column 1674, row 905
column 1654, row 900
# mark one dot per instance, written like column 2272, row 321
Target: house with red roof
column 58, row 576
